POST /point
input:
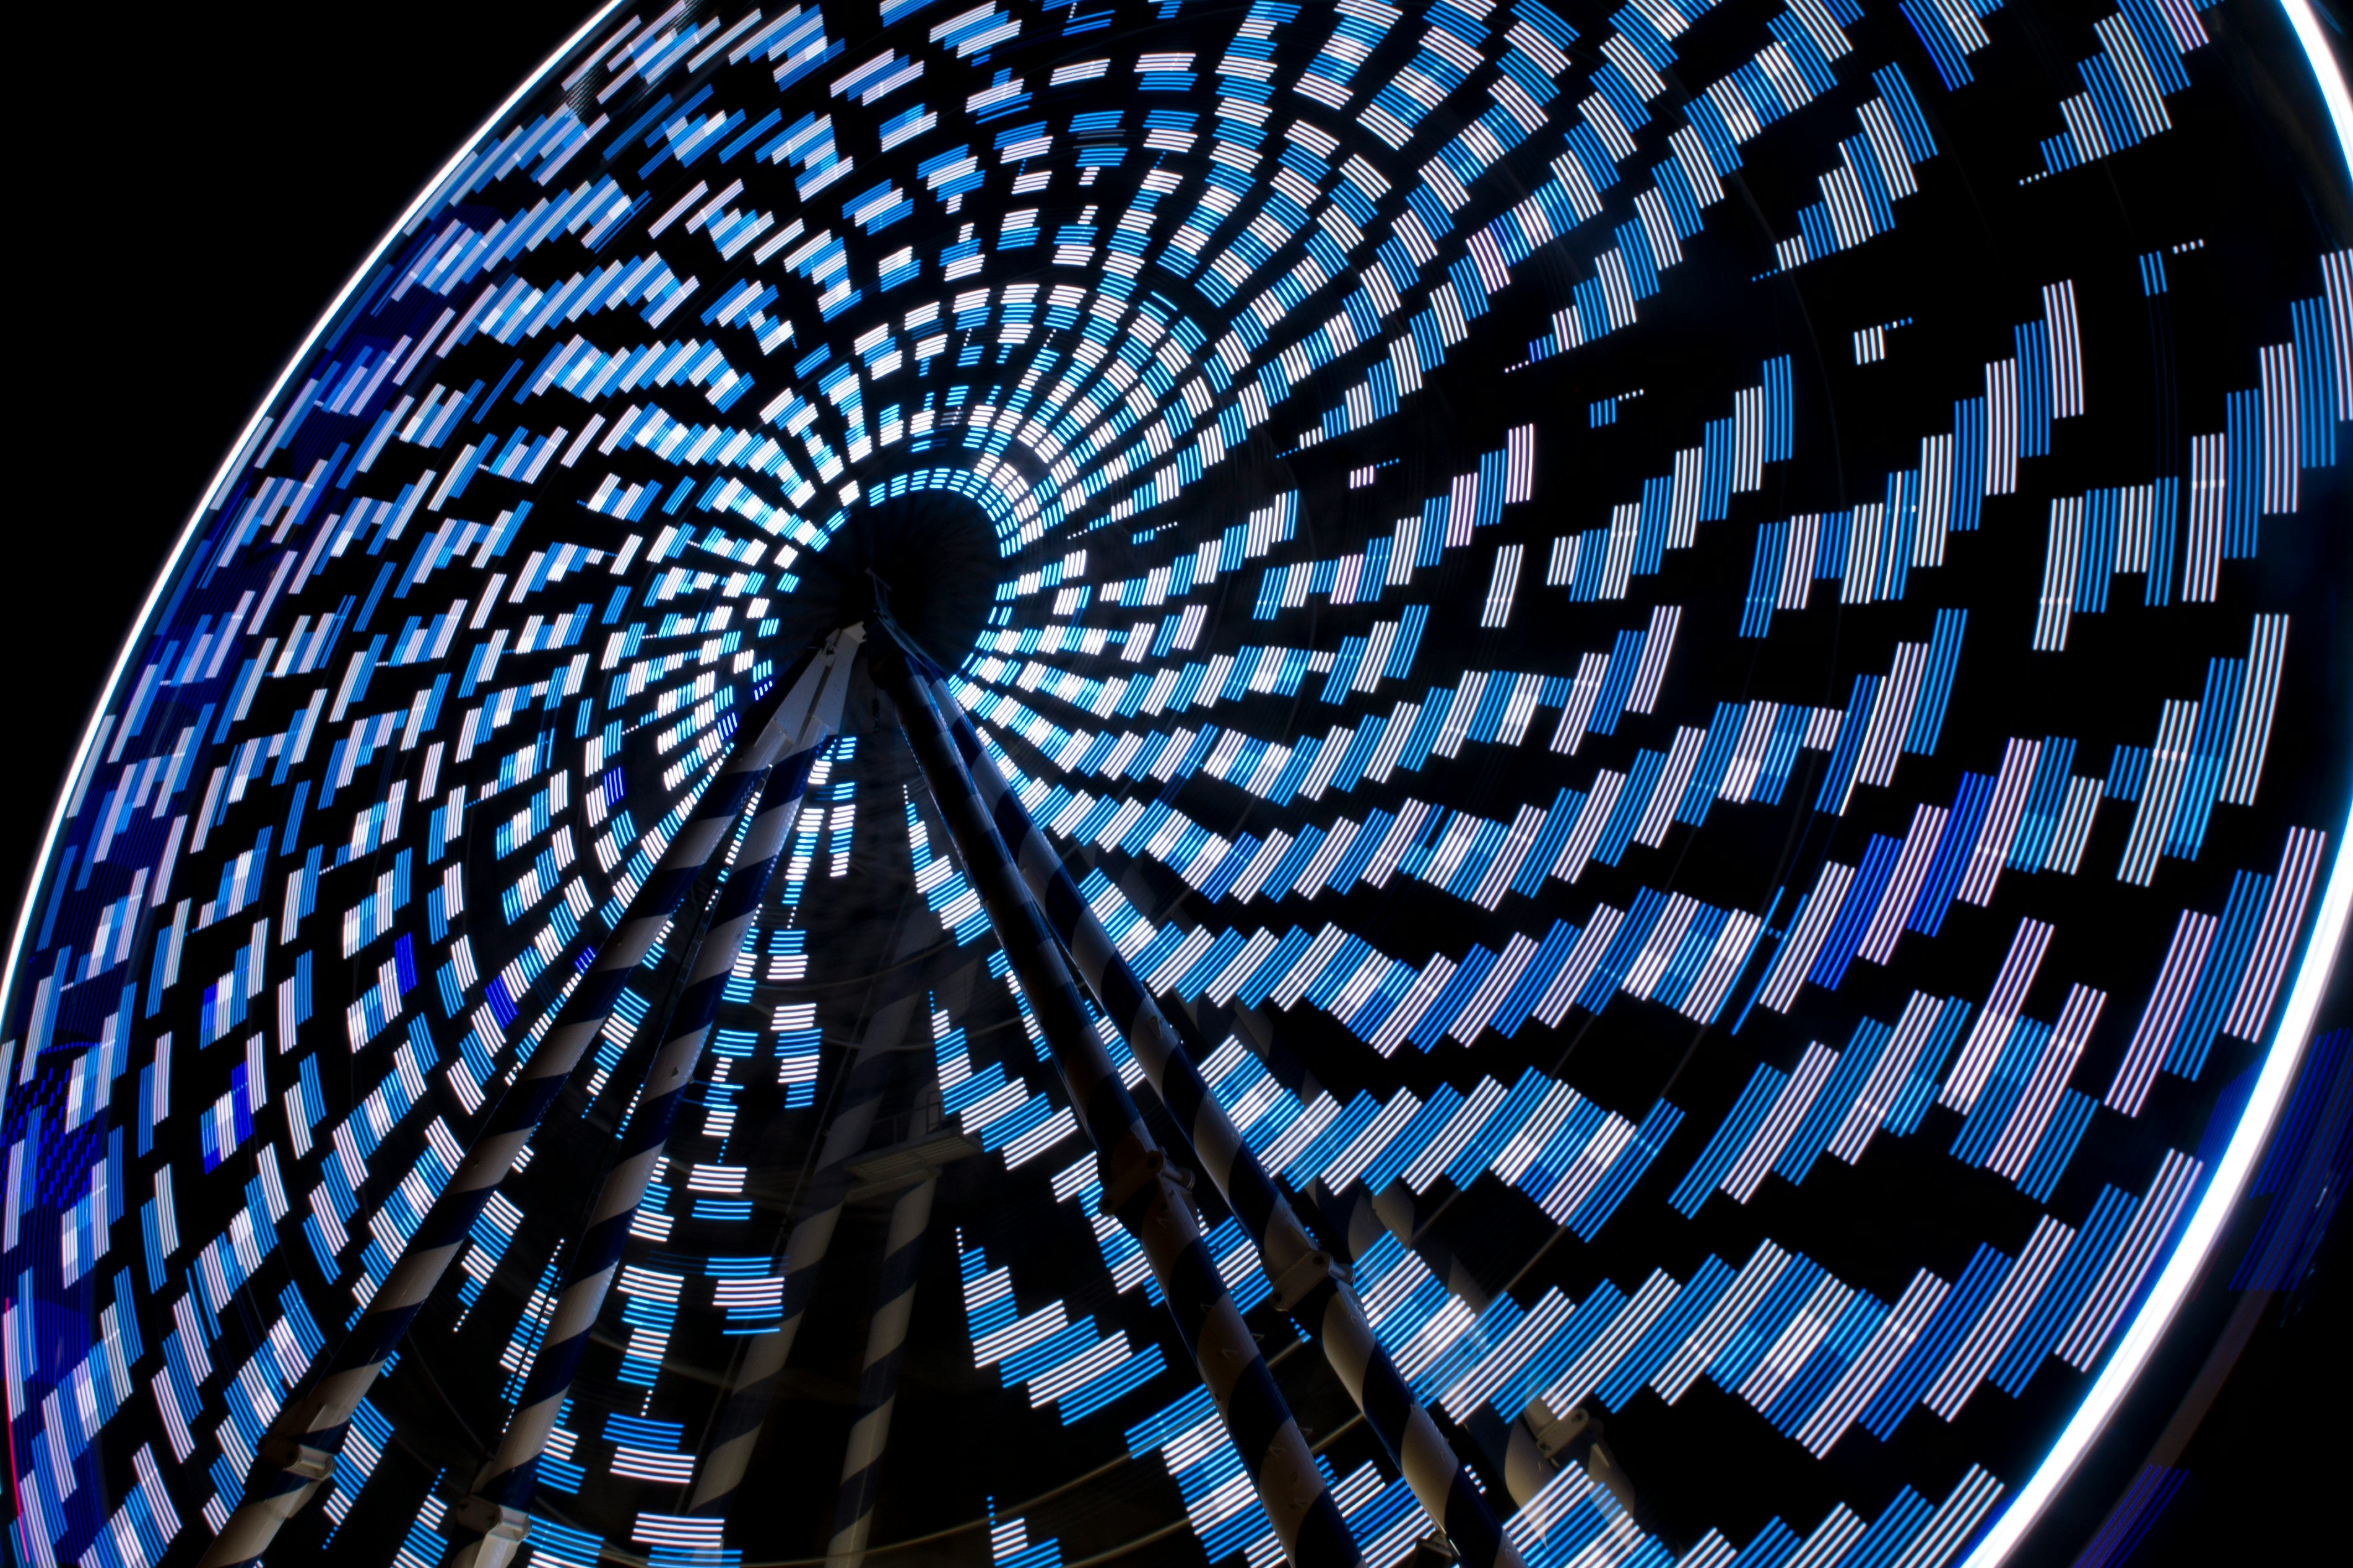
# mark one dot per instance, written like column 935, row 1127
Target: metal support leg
column 1138, row 1186
column 752, row 1385
column 297, row 1453
column 490, row 1523
column 1318, row 1297
column 878, row 1378
column 1530, row 1445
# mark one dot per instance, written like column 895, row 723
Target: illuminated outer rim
column 228, row 465
column 2173, row 1283
column 239, row 452
column 2280, row 1062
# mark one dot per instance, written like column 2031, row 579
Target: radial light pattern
column 1695, row 642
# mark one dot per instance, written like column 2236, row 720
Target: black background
column 194, row 184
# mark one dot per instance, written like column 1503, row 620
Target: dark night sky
column 225, row 170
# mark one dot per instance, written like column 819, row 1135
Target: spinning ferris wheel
column 1500, row 782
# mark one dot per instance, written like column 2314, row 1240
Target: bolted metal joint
column 1309, row 1273
column 1127, row 1178
column 498, row 1529
column 1554, row 1433
column 278, row 1451
column 1433, row 1551
column 1577, row 1439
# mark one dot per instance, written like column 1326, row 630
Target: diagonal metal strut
column 1139, row 1185
column 1307, row 1284
column 298, row 1452
column 491, row 1523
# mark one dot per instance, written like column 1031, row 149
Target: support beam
column 752, row 1384
column 1139, row 1185
column 1397, row 1209
column 1530, row 1445
column 296, row 1454
column 1317, row 1296
column 488, row 1527
column 878, row 1376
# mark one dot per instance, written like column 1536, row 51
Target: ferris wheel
column 1500, row 782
